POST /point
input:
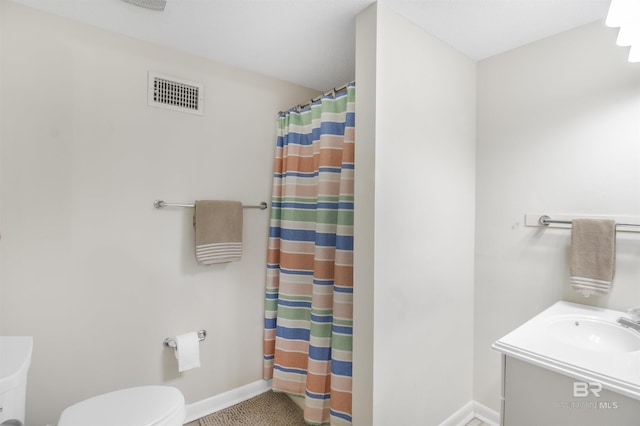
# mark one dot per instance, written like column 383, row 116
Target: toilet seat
column 138, row 406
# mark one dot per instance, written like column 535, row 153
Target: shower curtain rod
column 331, row 92
column 160, row 204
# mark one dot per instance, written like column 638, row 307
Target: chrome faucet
column 633, row 321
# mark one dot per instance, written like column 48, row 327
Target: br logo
column 583, row 389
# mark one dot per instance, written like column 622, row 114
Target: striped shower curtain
column 309, row 289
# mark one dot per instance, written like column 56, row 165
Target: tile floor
column 472, row 422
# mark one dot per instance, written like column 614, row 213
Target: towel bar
column 546, row 220
column 171, row 343
column 623, row 223
column 160, row 204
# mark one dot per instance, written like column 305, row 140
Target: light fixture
column 149, row 4
column 627, row 35
column 634, row 53
column 625, row 14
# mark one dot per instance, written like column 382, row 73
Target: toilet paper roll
column 188, row 351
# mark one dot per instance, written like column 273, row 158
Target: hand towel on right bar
column 593, row 255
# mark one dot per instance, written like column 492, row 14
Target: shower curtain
column 309, row 289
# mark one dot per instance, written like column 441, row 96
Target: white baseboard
column 460, row 417
column 486, row 414
column 218, row 402
column 227, row 399
column 470, row 410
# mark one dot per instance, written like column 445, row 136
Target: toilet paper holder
column 170, row 342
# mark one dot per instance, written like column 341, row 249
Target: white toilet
column 139, row 406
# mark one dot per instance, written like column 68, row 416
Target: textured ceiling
column 312, row 42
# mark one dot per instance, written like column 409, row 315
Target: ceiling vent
column 175, row 94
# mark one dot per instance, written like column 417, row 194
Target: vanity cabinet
column 536, row 396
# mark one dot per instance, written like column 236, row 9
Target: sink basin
column 594, row 335
column 579, row 341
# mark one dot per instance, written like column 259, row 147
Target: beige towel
column 218, row 229
column 593, row 255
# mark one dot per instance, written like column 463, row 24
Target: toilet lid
column 139, row 406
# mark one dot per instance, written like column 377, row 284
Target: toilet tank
column 15, row 359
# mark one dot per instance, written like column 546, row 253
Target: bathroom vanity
column 571, row 365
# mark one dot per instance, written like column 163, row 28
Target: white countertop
column 539, row 342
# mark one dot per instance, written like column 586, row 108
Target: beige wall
column 558, row 133
column 89, row 267
column 420, row 210
column 100, row 278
